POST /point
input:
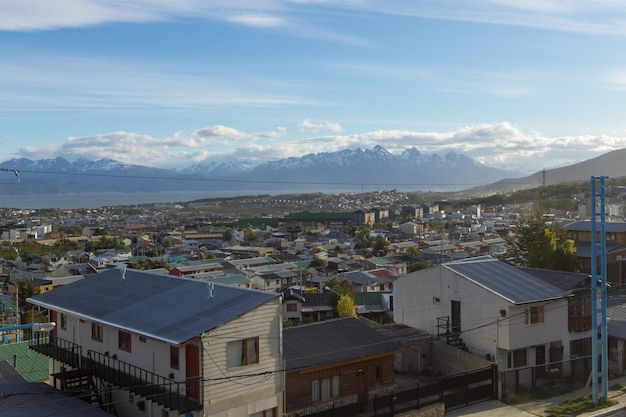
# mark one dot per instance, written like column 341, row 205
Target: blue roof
column 507, row 281
column 161, row 307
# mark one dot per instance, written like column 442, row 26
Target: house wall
column 299, row 384
column 490, row 325
column 245, row 390
column 151, row 355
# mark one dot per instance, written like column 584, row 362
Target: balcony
column 180, row 396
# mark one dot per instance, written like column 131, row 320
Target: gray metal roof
column 161, row 307
column 585, row 226
column 507, row 281
column 332, row 341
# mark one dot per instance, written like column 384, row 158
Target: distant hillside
column 612, row 165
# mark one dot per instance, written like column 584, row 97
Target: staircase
column 79, row 384
column 452, row 338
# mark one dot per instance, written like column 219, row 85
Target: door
column 455, row 324
column 361, row 385
column 192, row 371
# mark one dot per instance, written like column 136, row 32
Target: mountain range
column 347, row 170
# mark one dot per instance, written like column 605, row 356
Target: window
column 243, row 352
column 315, row 390
column 517, row 358
column 63, row 321
column 326, row 388
column 533, row 315
column 142, row 339
column 124, row 341
column 96, row 332
column 174, row 357
column 292, row 307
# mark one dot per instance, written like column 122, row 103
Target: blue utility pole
column 599, row 350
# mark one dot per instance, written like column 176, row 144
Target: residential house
column 159, row 345
column 335, row 359
column 299, row 307
column 615, row 234
column 373, row 280
column 380, row 215
column 495, row 310
column 396, row 264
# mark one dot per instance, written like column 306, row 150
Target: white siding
column 489, row 323
column 261, row 386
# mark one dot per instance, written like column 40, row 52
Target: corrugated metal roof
column 509, row 282
column 332, row 341
column 161, row 307
column 585, row 226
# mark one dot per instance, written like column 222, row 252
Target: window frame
column 124, row 341
column 97, row 332
column 243, row 353
column 63, row 319
column 534, row 315
column 174, row 357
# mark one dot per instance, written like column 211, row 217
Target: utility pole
column 599, row 350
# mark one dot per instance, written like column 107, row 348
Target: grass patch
column 524, row 395
column 576, row 406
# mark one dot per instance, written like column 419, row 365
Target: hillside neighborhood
column 386, row 307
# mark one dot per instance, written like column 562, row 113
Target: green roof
column 32, row 365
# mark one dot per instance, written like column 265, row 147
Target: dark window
column 124, row 341
column 63, row 321
column 174, row 357
column 533, row 315
column 96, row 332
column 292, row 307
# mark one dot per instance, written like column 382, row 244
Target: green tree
column 380, row 245
column 548, row 254
column 25, row 289
column 317, row 263
column 417, row 266
column 539, row 244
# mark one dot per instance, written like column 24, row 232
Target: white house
column 498, row 311
column 157, row 345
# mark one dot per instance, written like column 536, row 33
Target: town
column 304, row 305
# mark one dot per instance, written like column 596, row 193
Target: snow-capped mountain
column 349, row 169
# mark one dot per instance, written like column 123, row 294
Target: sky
column 517, row 84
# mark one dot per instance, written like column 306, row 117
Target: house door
column 361, row 385
column 455, row 317
column 192, row 371
column 540, row 359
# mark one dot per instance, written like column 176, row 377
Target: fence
column 558, row 376
column 454, row 391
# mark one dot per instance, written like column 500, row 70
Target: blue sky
column 511, row 83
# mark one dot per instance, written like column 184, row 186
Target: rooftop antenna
column 122, row 267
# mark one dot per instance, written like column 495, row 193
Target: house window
column 533, row 315
column 326, row 388
column 174, row 357
column 315, row 391
column 142, row 339
column 63, row 321
column 96, row 332
column 517, row 358
column 292, row 307
column 580, row 348
column 124, row 341
column 243, row 352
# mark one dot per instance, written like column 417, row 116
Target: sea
column 97, row 200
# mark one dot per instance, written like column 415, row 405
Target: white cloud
column 307, row 125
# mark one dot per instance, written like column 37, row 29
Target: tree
column 540, row 244
column 548, row 254
column 345, row 306
column 25, row 289
column 380, row 245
